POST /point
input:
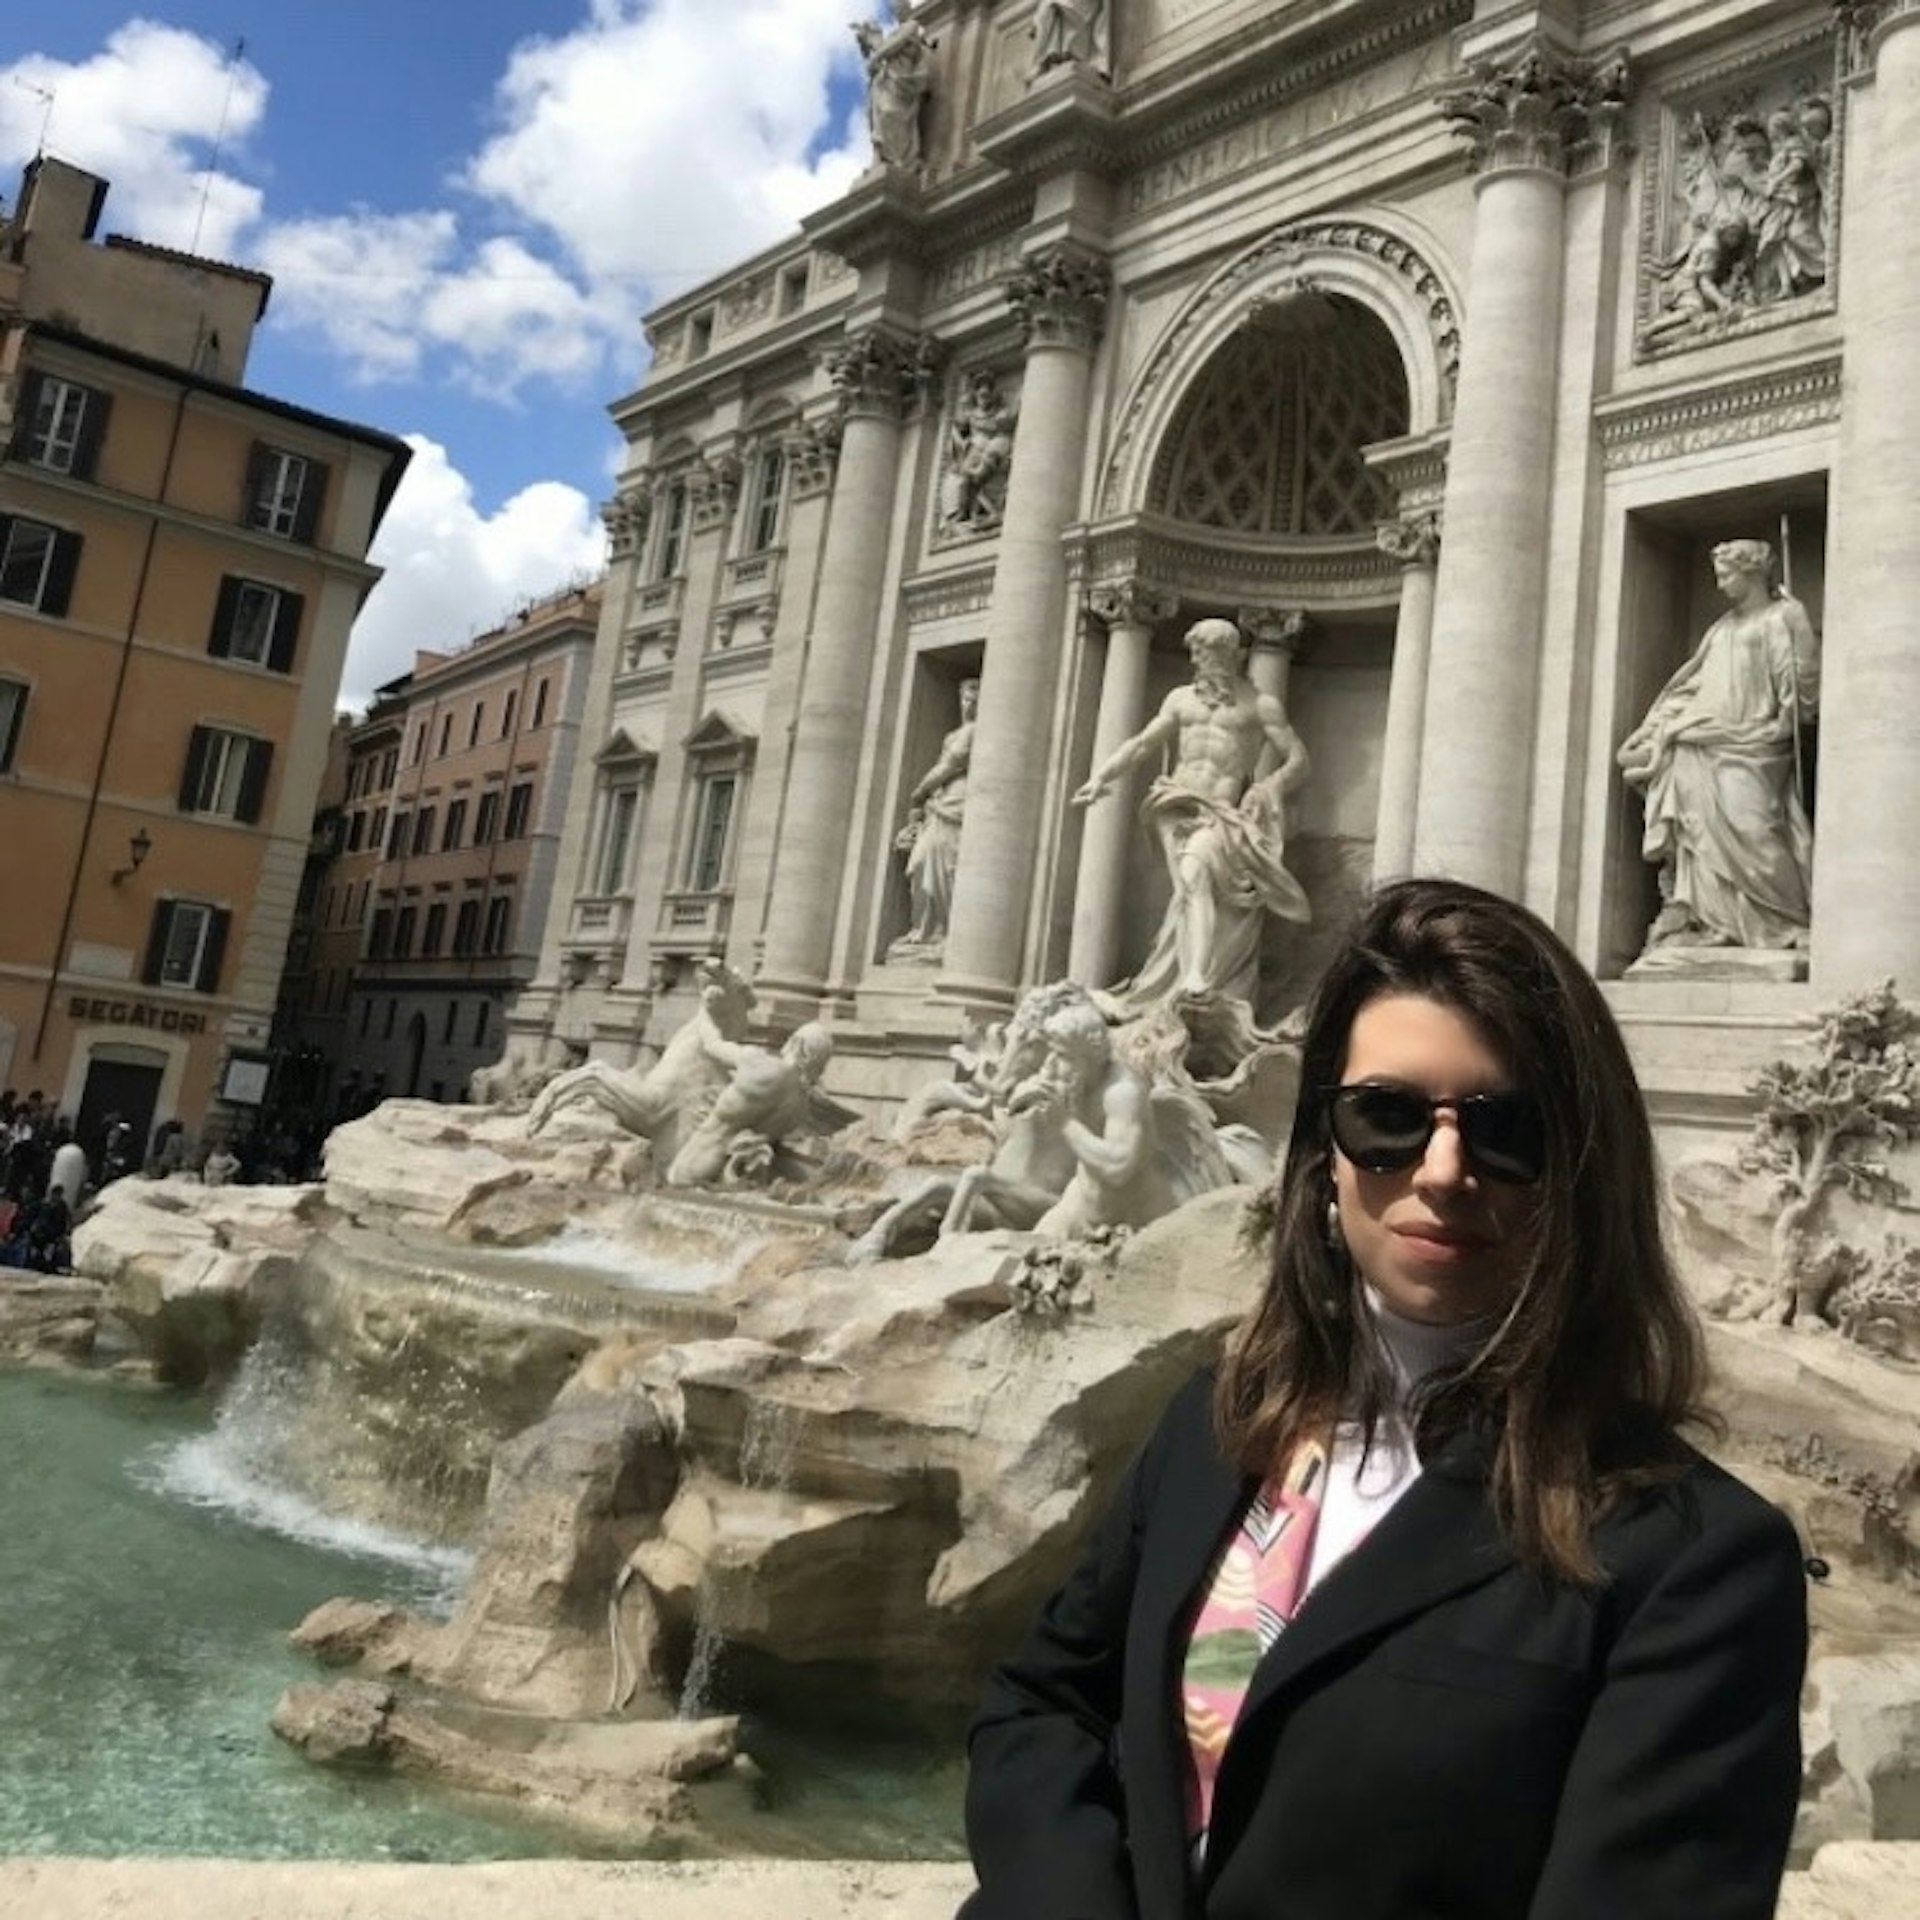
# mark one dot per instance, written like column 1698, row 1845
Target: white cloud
column 144, row 113
column 453, row 572
column 666, row 138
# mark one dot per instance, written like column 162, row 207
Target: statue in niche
column 973, row 486
column 770, row 1098
column 1072, row 33
column 899, row 63
column 663, row 1102
column 1221, row 829
column 1718, row 761
column 931, row 837
column 1755, row 194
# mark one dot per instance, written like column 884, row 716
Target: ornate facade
column 1439, row 345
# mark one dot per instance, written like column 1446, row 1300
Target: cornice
column 951, row 594
column 1754, row 404
column 1199, row 563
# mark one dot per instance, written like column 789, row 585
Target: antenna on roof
column 45, row 96
column 219, row 136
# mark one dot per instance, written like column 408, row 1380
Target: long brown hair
column 1600, row 1358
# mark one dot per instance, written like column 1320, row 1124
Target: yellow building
column 180, row 562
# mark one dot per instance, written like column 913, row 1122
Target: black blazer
column 1438, row 1735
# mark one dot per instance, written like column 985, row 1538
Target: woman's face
column 1439, row 1241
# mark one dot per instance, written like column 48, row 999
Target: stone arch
column 1380, row 261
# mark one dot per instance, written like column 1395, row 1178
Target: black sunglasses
column 1384, row 1128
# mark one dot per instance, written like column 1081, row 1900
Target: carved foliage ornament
column 1538, row 108
column 1059, row 298
column 1413, row 540
column 1133, row 603
column 713, row 485
column 1861, row 20
column 625, row 518
column 883, row 372
column 811, row 452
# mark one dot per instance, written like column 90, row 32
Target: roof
column 199, row 261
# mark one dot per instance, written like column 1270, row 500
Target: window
column 284, row 492
column 423, row 830
column 540, row 704
column 419, row 744
column 480, row 1014
column 447, row 1026
column 61, row 425
column 380, row 934
column 770, row 479
column 378, row 831
column 357, row 832
column 434, row 934
column 466, row 927
column 486, row 823
column 707, row 866
column 403, row 928
column 388, row 766
column 616, row 840
column 258, row 624
column 37, row 565
column 456, row 825
column 519, row 807
column 700, row 335
column 225, row 775
column 13, row 715
column 393, row 1013
column 366, row 1016
column 446, row 733
column 499, row 923
column 474, row 725
column 507, row 712
column 673, row 532
column 397, row 839
column 793, row 290
column 185, row 945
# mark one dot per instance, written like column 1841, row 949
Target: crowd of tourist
column 48, row 1178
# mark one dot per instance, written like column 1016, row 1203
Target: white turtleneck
column 1359, row 1491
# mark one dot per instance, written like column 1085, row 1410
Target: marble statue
column 665, row 1101
column 931, row 837
column 1089, row 1137
column 899, row 63
column 1220, row 828
column 770, row 1098
column 1718, row 761
column 1073, row 33
column 973, row 485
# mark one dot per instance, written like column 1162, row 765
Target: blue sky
column 466, row 206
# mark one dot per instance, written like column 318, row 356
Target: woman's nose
column 1444, row 1165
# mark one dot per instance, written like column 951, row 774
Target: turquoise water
column 147, row 1587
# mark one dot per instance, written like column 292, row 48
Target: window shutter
column 214, row 952
column 197, row 745
column 60, row 574
column 93, row 430
column 313, row 496
column 220, row 640
column 157, row 937
column 6, row 527
column 253, row 783
column 257, row 456
column 286, row 632
column 10, row 733
column 27, row 410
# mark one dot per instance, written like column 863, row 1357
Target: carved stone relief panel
column 1741, row 220
column 976, row 454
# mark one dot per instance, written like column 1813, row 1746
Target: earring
column 1335, row 1240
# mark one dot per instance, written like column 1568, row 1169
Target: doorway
column 126, row 1088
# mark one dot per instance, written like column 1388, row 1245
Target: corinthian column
column 1131, row 612
column 1059, row 298
column 1866, row 881
column 1415, row 543
column 877, row 373
column 1525, row 119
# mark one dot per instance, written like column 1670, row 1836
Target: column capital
column 1413, row 539
column 880, row 372
column 1866, row 24
column 1274, row 629
column 1132, row 603
column 713, row 486
column 811, row 452
column 1539, row 108
column 625, row 518
column 1059, row 297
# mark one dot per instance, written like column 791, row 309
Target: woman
column 1489, row 1639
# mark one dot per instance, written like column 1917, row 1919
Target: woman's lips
column 1440, row 1244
